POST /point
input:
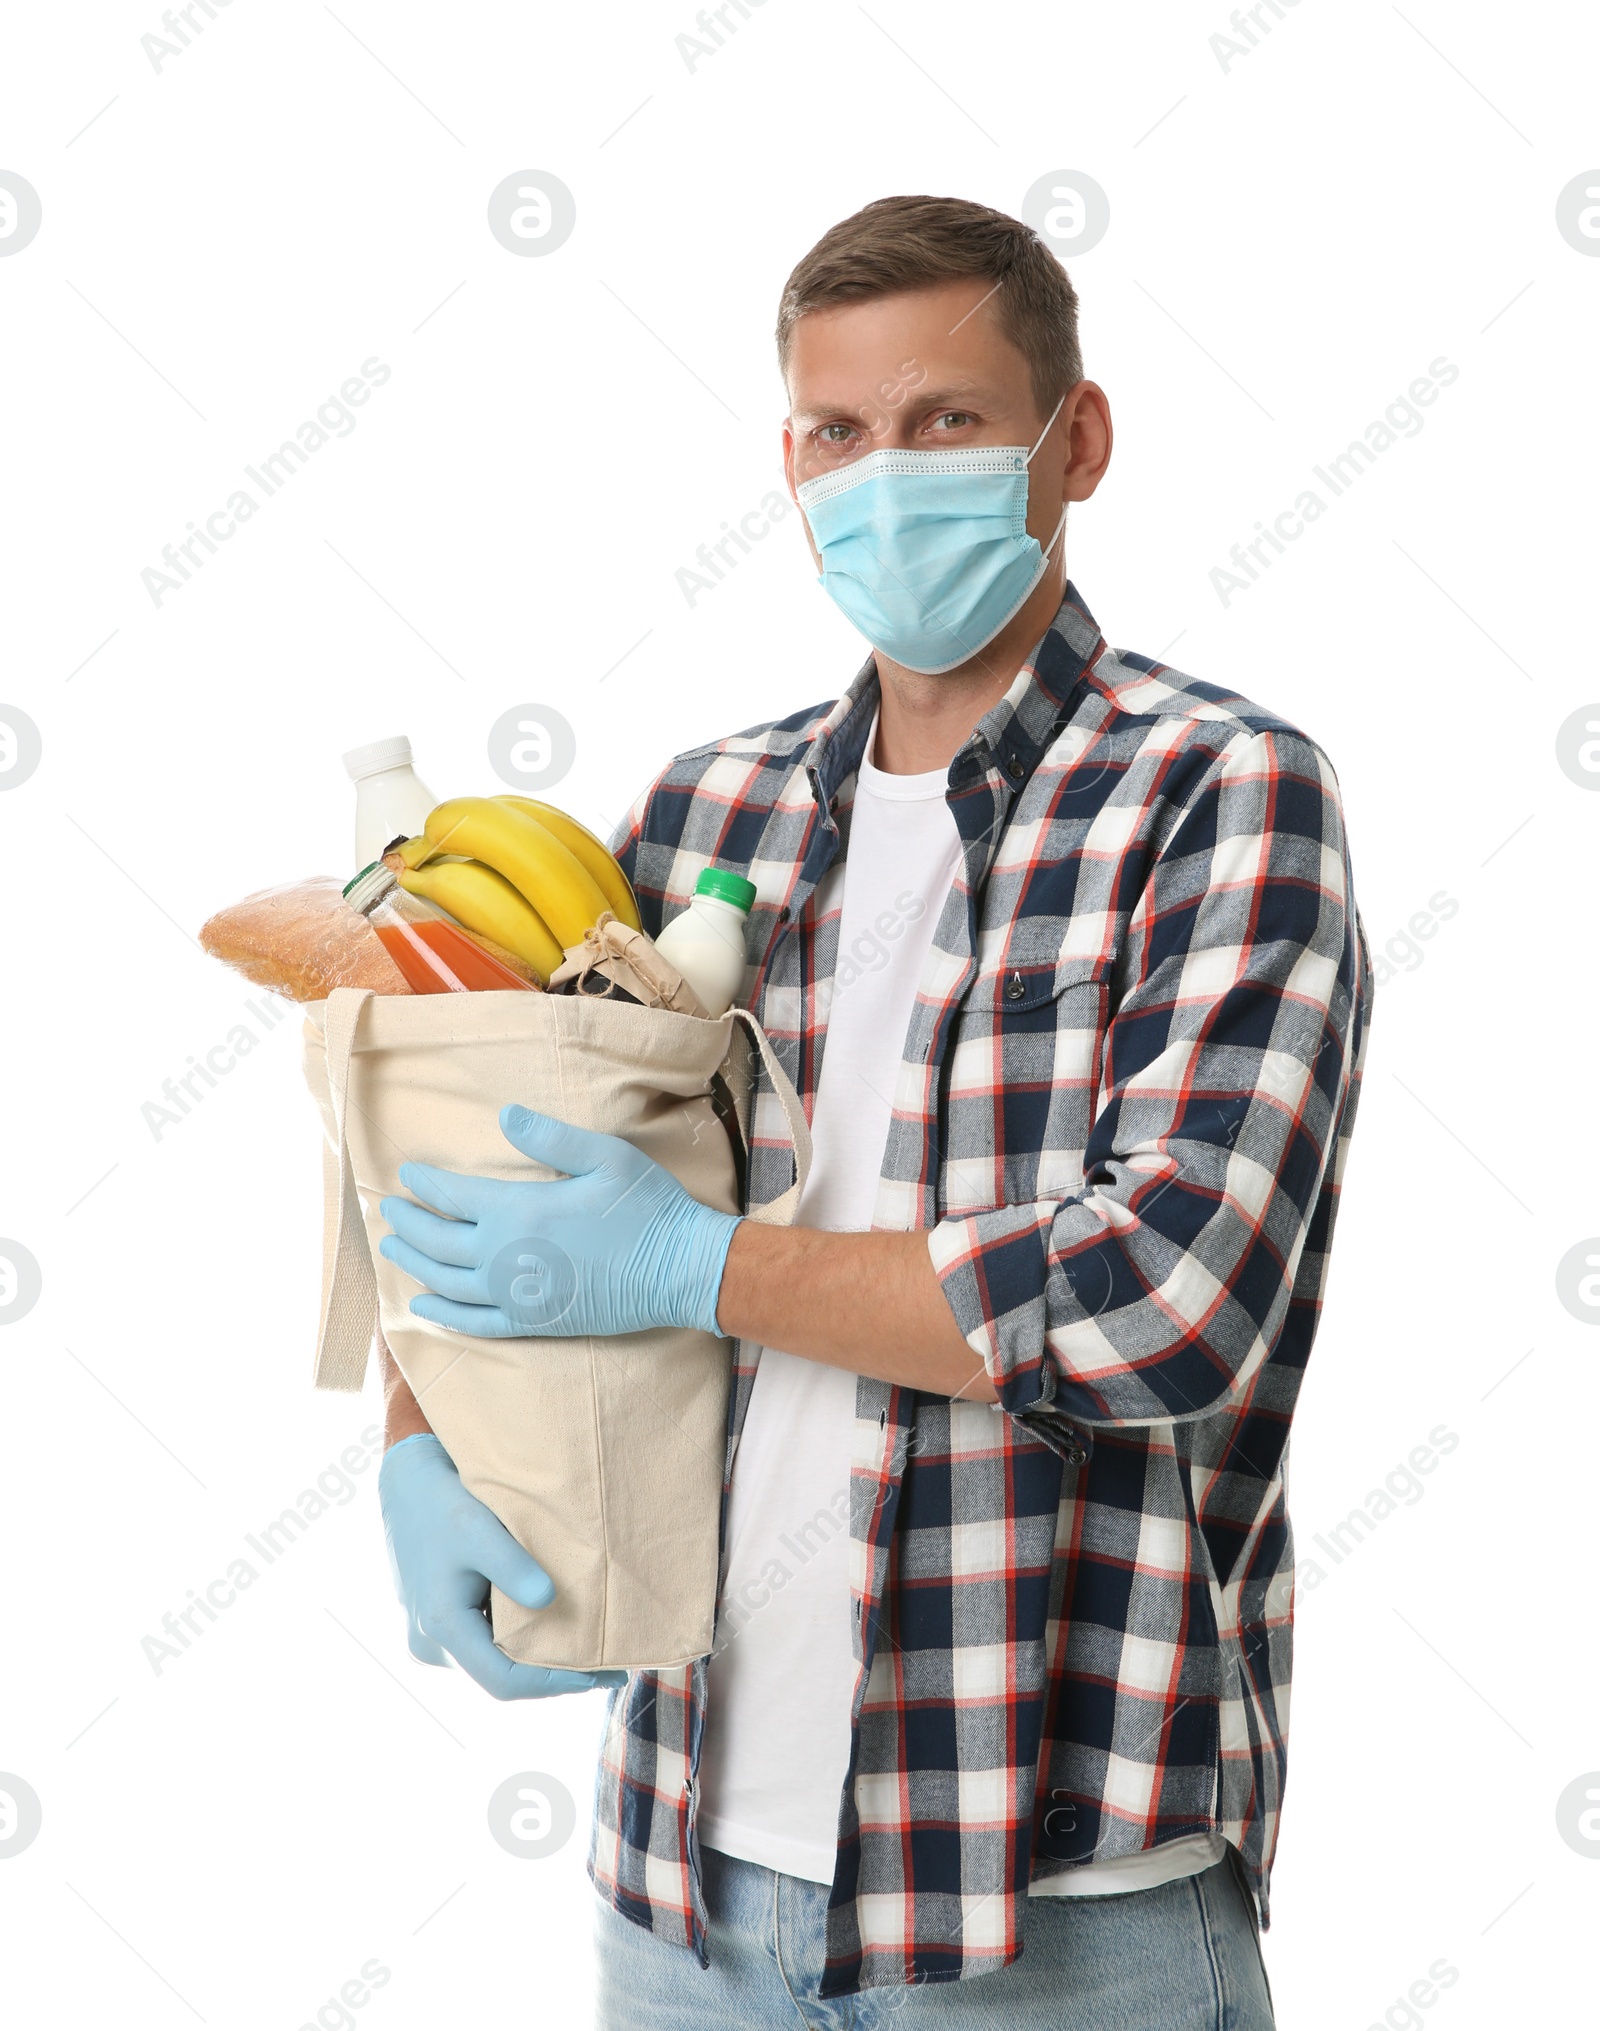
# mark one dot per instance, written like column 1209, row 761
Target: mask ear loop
column 1043, row 434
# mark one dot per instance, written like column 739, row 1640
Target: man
column 1060, row 949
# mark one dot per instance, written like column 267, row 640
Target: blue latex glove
column 615, row 1245
column 445, row 1547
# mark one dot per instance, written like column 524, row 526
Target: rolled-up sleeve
column 1155, row 1291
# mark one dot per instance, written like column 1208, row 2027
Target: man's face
column 929, row 370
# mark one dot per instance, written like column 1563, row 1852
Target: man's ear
column 1086, row 413
column 788, row 480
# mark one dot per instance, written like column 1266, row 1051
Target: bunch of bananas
column 520, row 875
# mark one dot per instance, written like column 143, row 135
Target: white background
column 1293, row 240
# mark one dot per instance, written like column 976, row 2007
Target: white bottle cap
column 393, row 753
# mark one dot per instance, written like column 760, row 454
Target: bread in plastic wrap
column 302, row 940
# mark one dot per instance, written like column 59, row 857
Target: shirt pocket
column 1025, row 1081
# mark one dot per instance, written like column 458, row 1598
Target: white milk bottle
column 706, row 941
column 392, row 802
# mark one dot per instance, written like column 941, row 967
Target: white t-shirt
column 782, row 1681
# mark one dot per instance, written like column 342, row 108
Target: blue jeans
column 1181, row 1957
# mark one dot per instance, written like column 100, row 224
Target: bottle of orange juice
column 431, row 949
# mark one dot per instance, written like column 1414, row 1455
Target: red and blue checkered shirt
column 1123, row 1109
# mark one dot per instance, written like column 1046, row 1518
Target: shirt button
column 1014, row 768
column 783, row 914
column 1074, row 1455
column 1014, row 988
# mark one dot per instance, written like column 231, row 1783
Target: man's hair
column 901, row 243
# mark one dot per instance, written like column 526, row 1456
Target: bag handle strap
column 349, row 1285
column 783, row 1209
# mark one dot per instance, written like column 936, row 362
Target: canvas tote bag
column 602, row 1456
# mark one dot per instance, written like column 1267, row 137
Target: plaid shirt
column 1123, row 1108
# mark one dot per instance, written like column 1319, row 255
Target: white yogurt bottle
column 392, row 801
column 706, row 941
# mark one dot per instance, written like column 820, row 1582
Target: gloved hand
column 615, row 1245
column 445, row 1547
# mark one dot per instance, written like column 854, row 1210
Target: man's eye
column 952, row 419
column 836, row 434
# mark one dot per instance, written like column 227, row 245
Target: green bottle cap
column 375, row 881
column 727, row 887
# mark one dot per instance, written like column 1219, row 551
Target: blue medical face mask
column 928, row 552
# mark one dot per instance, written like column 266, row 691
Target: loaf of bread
column 302, row 940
